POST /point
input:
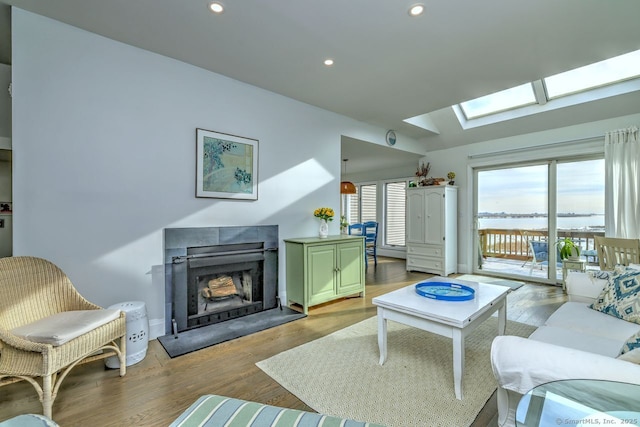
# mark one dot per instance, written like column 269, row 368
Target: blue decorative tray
column 445, row 291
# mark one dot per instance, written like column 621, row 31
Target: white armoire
column 432, row 229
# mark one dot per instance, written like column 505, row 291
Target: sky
column 524, row 189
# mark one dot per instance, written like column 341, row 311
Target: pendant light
column 347, row 187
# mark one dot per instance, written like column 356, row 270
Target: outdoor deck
column 522, row 268
column 508, row 251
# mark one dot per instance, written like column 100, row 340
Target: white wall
column 104, row 157
column 402, row 172
column 5, row 101
column 457, row 160
column 6, row 219
column 5, row 166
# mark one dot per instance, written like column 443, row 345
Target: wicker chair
column 33, row 289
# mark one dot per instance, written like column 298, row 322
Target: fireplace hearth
column 220, row 283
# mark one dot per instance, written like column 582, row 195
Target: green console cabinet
column 321, row 270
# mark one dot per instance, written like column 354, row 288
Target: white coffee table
column 451, row 319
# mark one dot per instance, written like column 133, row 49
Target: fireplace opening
column 225, row 282
column 217, row 283
column 226, row 289
column 224, row 296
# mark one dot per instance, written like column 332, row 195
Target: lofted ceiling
column 388, row 66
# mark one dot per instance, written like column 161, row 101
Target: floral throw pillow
column 600, row 274
column 621, row 296
column 607, row 274
column 632, row 346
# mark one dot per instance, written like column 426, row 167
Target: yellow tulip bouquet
column 324, row 213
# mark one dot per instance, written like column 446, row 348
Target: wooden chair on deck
column 614, row 251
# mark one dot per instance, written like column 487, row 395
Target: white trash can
column 137, row 333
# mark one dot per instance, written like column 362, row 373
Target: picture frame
column 226, row 166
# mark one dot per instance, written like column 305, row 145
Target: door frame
column 472, row 171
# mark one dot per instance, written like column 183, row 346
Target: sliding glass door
column 580, row 206
column 512, row 206
column 521, row 211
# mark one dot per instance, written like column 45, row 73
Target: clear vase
column 323, row 232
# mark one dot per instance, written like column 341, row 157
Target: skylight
column 611, row 77
column 507, row 99
column 590, row 76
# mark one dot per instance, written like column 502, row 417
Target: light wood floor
column 155, row 391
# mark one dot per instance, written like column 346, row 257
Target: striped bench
column 29, row 420
column 216, row 411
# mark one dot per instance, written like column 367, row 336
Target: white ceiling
column 388, row 66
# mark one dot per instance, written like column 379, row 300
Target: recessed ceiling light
column 416, row 9
column 216, row 7
column 328, row 62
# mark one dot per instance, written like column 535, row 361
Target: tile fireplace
column 218, row 280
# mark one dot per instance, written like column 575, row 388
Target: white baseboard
column 156, row 328
column 393, row 253
column 464, row 269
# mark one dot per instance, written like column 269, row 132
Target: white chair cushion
column 584, row 287
column 579, row 317
column 63, row 327
column 578, row 340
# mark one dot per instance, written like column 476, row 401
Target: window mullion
column 539, row 92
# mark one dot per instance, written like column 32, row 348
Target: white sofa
column 576, row 342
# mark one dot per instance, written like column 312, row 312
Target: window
column 368, row 203
column 590, row 76
column 362, row 206
column 395, row 203
column 353, row 214
column 507, row 99
column 611, row 77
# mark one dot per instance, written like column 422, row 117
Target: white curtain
column 622, row 183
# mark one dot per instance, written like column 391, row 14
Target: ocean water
column 594, row 222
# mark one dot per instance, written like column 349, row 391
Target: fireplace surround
column 220, row 283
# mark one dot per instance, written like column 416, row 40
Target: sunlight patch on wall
column 277, row 197
column 120, row 259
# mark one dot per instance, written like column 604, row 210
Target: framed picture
column 6, row 208
column 226, row 166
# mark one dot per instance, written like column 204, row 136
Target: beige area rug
column 339, row 374
column 513, row 284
